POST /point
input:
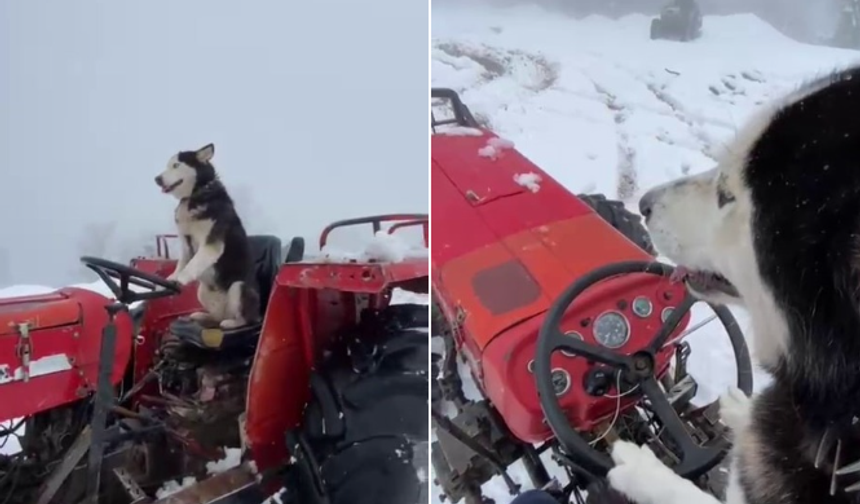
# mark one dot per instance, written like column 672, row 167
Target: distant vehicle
column 847, row 33
column 680, row 20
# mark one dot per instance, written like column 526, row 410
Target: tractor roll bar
column 462, row 114
column 376, row 221
column 161, row 244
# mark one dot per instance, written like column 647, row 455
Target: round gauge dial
column 572, row 334
column 560, row 381
column 666, row 313
column 531, row 366
column 611, row 330
column 642, row 307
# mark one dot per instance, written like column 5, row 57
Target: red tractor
column 112, row 398
column 572, row 331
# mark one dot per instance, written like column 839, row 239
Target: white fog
column 315, row 115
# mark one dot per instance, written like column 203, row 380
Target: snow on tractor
column 572, row 331
column 112, row 399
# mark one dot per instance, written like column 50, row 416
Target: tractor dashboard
column 621, row 314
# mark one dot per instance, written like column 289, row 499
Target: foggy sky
column 804, row 20
column 318, row 111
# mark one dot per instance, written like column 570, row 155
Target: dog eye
column 175, row 165
column 724, row 197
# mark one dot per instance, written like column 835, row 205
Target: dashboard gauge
column 642, row 307
column 612, row 330
column 572, row 334
column 666, row 313
column 560, row 381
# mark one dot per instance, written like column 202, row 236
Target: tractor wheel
column 363, row 438
column 626, row 222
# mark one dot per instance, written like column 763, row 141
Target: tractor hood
column 49, row 349
column 504, row 249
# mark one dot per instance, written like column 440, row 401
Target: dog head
column 187, row 171
column 775, row 226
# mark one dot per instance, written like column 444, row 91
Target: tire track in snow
column 707, row 143
column 499, row 63
column 627, row 183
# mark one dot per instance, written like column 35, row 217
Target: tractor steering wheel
column 638, row 367
column 110, row 272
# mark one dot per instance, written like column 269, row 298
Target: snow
column 400, row 296
column 494, row 147
column 530, row 181
column 232, row 458
column 454, row 130
column 383, row 247
column 38, row 290
column 173, row 486
column 601, row 108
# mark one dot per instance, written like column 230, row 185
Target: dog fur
column 215, row 248
column 779, row 217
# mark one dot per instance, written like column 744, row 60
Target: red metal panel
column 39, row 312
column 553, row 255
column 468, row 170
column 457, row 229
column 64, row 358
column 477, row 202
column 351, row 277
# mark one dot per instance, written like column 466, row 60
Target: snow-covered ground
column 602, row 108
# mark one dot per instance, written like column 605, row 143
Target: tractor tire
column 363, row 438
column 624, row 221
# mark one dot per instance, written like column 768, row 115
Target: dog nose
column 646, row 204
column 158, row 180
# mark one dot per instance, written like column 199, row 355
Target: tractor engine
column 204, row 392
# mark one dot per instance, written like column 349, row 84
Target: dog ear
column 205, row 153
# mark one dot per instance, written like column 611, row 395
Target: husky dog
column 215, row 247
column 775, row 227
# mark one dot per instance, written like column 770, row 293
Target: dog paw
column 231, row 323
column 735, row 408
column 200, row 316
column 636, row 470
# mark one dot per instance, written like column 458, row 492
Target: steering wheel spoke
column 119, row 277
column 664, row 410
column 671, row 323
column 694, row 459
column 594, row 353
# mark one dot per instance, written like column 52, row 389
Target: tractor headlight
column 642, row 307
column 611, row 330
column 560, row 381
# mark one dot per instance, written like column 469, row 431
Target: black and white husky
column 215, row 248
column 775, row 227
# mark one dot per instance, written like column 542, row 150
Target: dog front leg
column 644, row 479
column 184, row 255
column 205, row 257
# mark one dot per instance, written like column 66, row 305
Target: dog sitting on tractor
column 120, row 396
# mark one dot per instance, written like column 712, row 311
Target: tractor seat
column 266, row 252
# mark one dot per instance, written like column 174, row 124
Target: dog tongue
column 680, row 274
